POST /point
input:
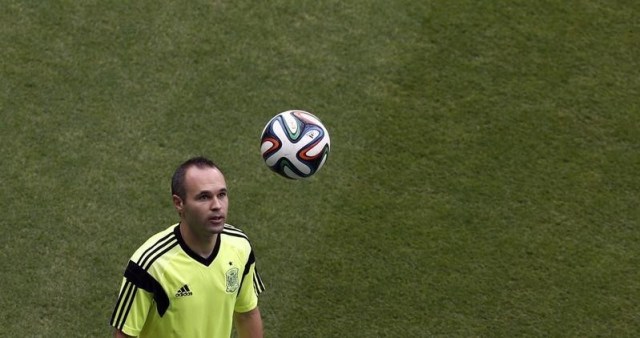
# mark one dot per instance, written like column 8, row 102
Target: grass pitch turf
column 483, row 179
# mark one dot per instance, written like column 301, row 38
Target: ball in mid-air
column 295, row 144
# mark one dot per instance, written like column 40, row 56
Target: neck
column 201, row 245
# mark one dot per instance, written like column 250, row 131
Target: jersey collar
column 204, row 261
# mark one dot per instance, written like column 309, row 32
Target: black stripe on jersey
column 124, row 298
column 232, row 231
column 258, row 286
column 130, row 289
column 247, row 266
column 158, row 249
column 142, row 279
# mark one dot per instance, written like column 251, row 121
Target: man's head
column 200, row 195
column 177, row 181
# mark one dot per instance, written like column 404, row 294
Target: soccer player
column 197, row 278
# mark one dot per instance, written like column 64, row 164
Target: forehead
column 203, row 179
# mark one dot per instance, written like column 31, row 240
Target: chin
column 215, row 228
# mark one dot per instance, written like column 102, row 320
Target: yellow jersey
column 170, row 291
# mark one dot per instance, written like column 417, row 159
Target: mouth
column 216, row 219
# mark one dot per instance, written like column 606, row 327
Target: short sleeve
column 251, row 287
column 132, row 308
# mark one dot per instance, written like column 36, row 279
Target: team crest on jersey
column 233, row 281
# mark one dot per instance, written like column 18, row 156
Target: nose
column 215, row 204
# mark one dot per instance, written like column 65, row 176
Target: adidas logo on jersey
column 184, row 291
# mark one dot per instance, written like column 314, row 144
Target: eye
column 202, row 197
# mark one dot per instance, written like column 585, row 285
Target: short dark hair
column 177, row 181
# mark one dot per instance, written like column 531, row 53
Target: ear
column 177, row 203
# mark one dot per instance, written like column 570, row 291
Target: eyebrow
column 211, row 192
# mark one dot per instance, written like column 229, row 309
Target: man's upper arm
column 135, row 300
column 120, row 334
column 249, row 324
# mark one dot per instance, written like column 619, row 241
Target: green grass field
column 483, row 178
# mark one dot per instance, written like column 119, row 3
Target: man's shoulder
column 236, row 232
column 236, row 237
column 166, row 235
column 156, row 245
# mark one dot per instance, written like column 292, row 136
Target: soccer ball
column 295, row 144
